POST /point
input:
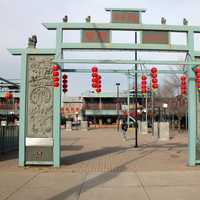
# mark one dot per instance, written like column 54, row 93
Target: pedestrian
column 124, row 127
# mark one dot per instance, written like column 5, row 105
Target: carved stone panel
column 40, row 96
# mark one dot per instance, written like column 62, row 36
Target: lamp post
column 117, row 84
column 165, row 106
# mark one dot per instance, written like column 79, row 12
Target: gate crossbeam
column 150, row 62
column 123, row 71
column 121, row 26
column 125, row 46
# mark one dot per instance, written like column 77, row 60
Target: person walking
column 124, row 127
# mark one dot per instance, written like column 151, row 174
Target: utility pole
column 128, row 102
column 136, row 91
column 118, row 84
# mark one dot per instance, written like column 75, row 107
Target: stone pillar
column 156, row 129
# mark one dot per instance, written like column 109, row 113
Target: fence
column 9, row 138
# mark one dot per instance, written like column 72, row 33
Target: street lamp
column 165, row 106
column 117, row 84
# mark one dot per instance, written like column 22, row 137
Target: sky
column 19, row 19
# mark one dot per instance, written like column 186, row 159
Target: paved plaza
column 100, row 165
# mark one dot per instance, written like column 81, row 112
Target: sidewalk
column 99, row 165
column 100, row 186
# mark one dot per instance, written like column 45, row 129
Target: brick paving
column 101, row 150
column 105, row 150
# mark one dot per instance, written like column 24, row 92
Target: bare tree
column 177, row 104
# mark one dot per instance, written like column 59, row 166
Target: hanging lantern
column 143, row 84
column 154, row 80
column 183, row 85
column 55, row 74
column 64, row 83
column 94, row 69
column 197, row 71
column 8, row 95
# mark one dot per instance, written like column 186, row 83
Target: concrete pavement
column 100, row 165
column 100, row 186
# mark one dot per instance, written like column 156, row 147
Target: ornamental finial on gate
column 32, row 41
column 185, row 21
column 163, row 20
column 65, row 18
column 88, row 19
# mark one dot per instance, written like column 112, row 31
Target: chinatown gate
column 40, row 101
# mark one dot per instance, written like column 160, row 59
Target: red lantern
column 94, row 74
column 143, row 84
column 65, row 77
column 55, row 74
column 154, row 70
column 94, row 85
column 8, row 95
column 144, row 77
column 56, row 79
column 94, row 69
column 183, row 78
column 98, row 90
column 197, row 71
column 154, row 85
column 96, row 79
column 154, row 80
column 55, row 68
column 64, row 83
column 154, row 75
column 56, row 84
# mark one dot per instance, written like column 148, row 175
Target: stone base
column 68, row 126
column 164, row 131
column 144, row 128
column 84, row 125
column 156, row 129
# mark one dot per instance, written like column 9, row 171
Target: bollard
column 68, row 126
column 164, row 131
column 84, row 125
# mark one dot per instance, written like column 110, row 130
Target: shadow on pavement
column 9, row 155
column 71, row 147
column 69, row 160
column 100, row 179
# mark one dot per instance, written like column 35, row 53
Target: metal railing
column 9, row 138
column 103, row 106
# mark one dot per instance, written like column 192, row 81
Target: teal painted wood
column 153, row 62
column 22, row 115
column 57, row 104
column 125, row 46
column 125, row 71
column 121, row 26
column 192, row 109
column 20, row 51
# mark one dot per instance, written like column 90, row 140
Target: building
column 9, row 107
column 106, row 107
column 72, row 108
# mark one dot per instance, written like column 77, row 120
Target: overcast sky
column 19, row 19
